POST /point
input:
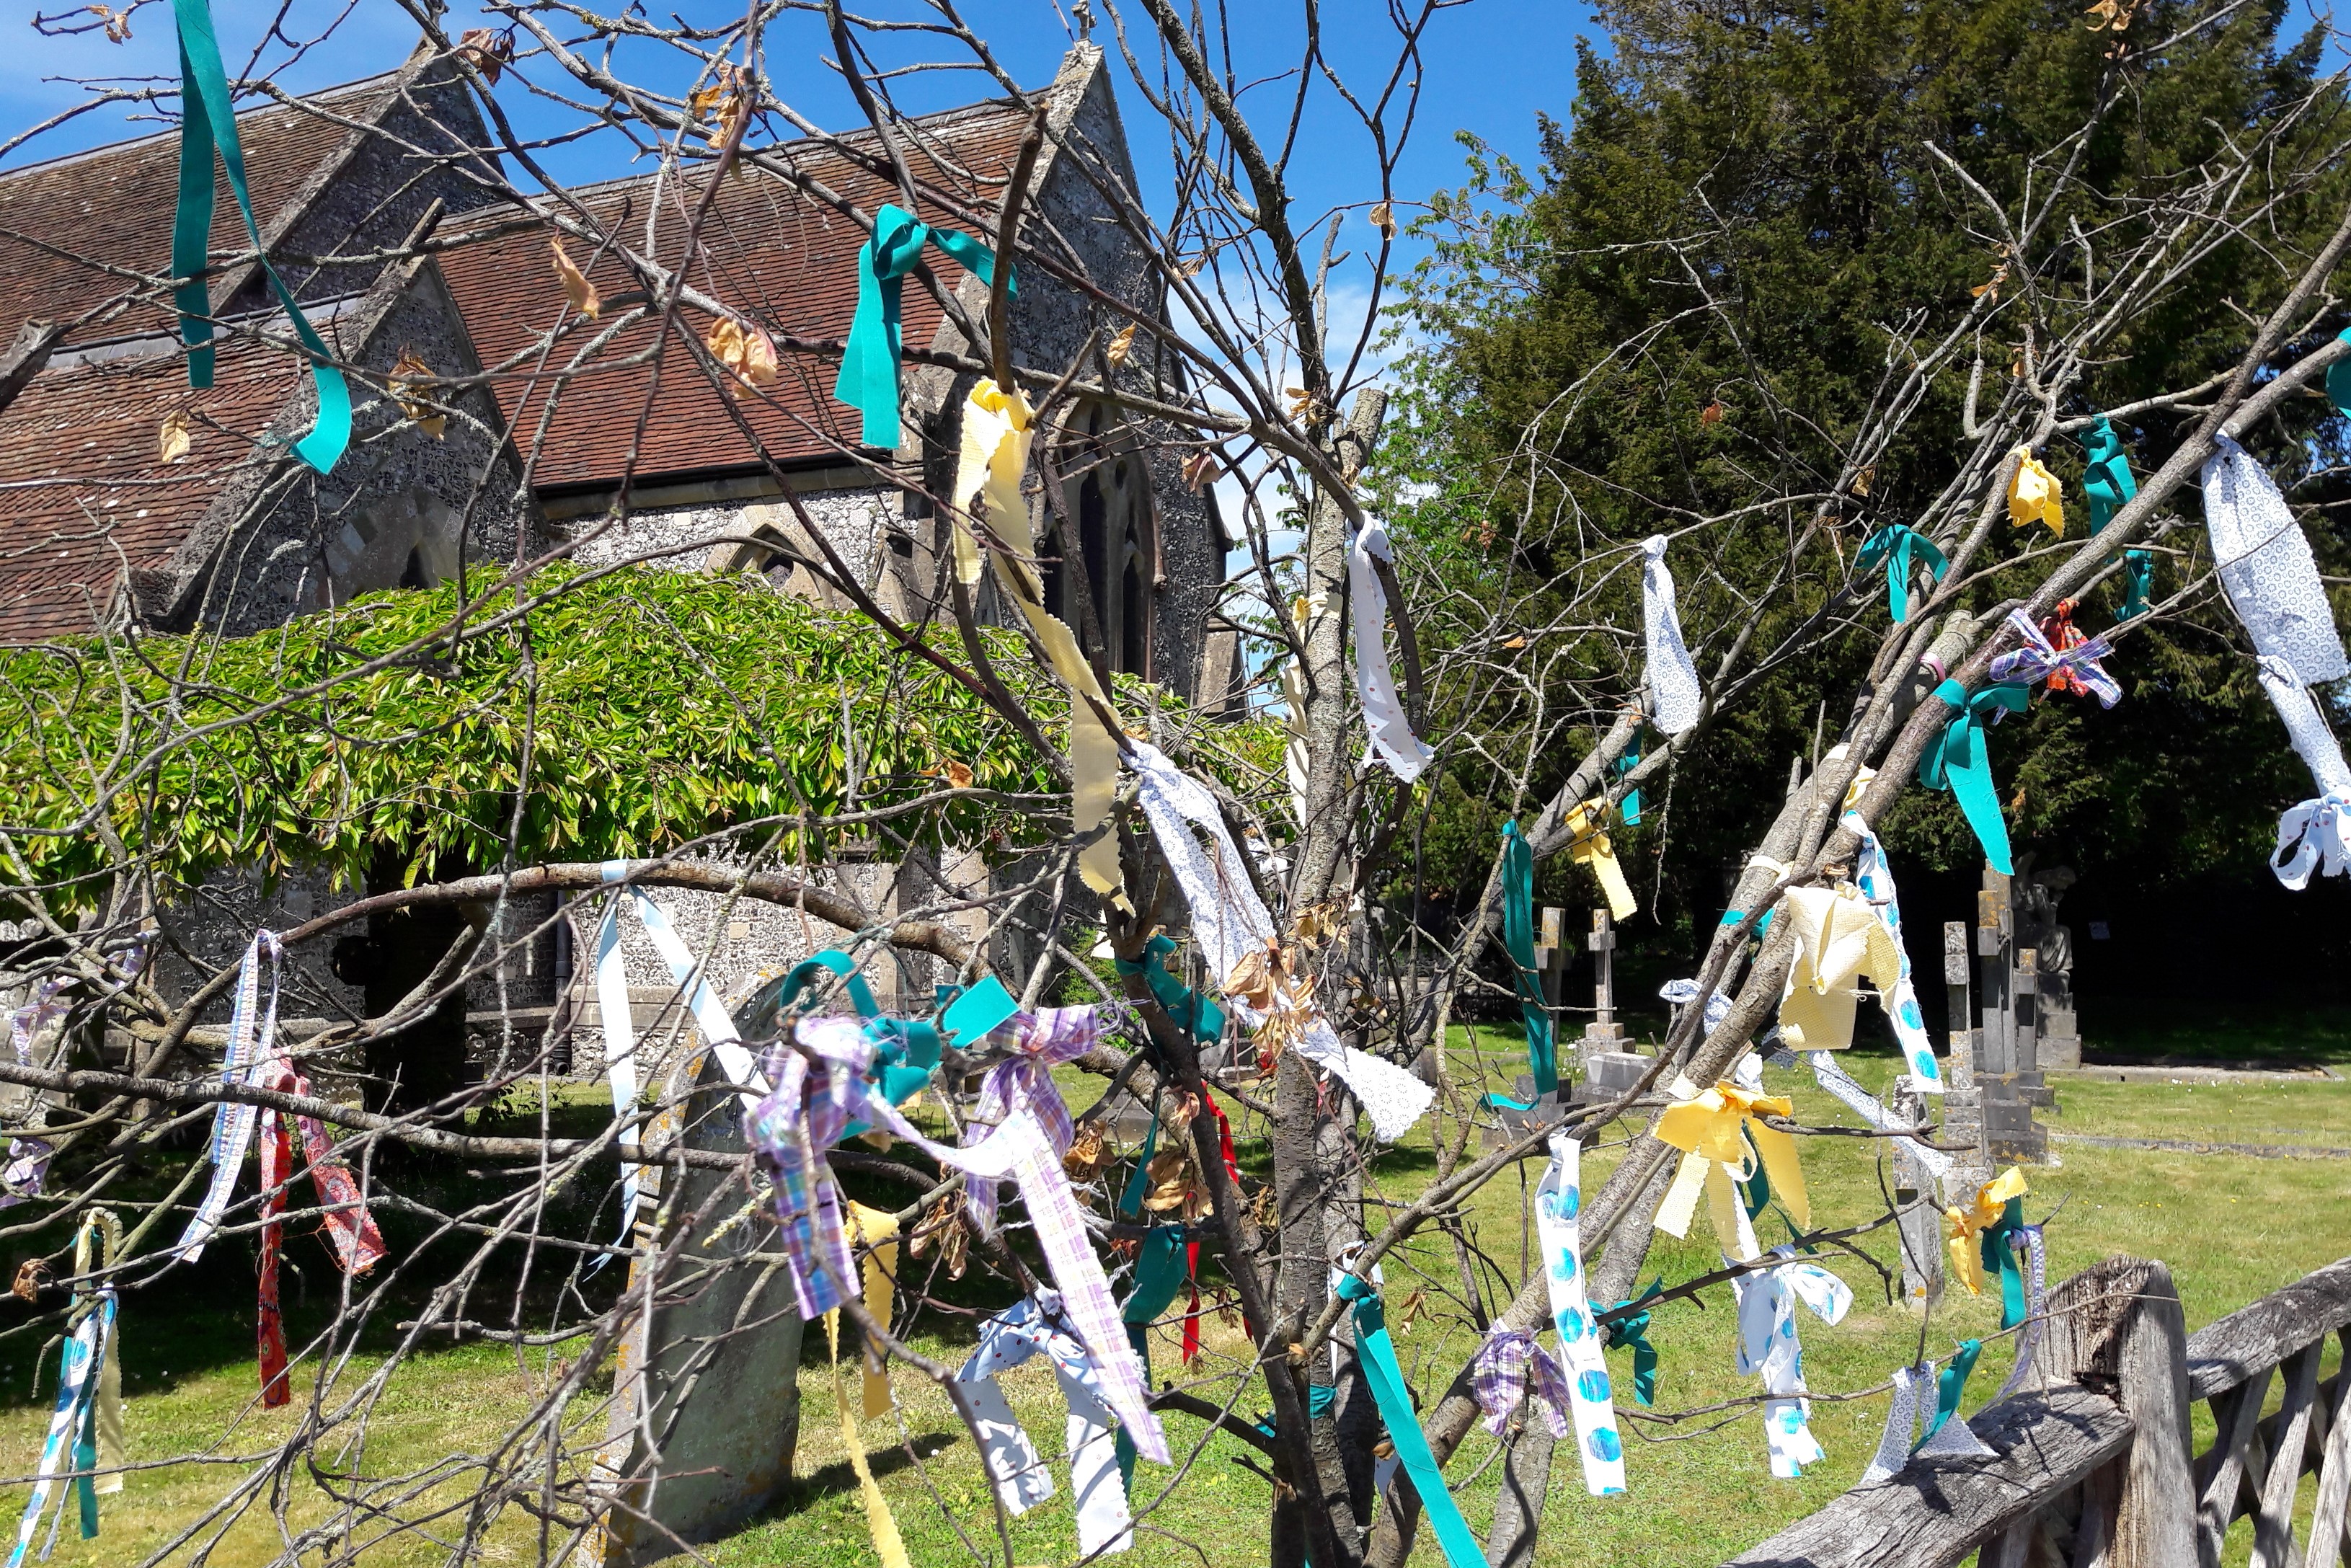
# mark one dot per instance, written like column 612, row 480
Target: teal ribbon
column 1762, row 927
column 2338, row 379
column 1192, row 1011
column 1998, row 1254
column 1634, row 1330
column 1159, row 1273
column 2106, row 477
column 1138, row 1187
column 1900, row 547
column 1629, row 807
column 2107, row 481
column 869, row 363
column 1377, row 1357
column 906, row 1051
column 1949, row 1383
column 208, row 121
column 1519, row 942
column 1960, row 763
column 2138, row 582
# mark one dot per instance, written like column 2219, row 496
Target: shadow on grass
column 840, row 1478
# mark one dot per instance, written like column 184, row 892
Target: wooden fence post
column 2118, row 1325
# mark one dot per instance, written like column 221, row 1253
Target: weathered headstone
column 1610, row 1065
column 1921, row 1226
column 705, row 1390
column 1963, row 1121
column 2006, row 1063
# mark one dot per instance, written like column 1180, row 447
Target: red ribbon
column 357, row 1244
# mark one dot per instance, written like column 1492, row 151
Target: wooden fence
column 2099, row 1470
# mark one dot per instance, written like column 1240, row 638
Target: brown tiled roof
column 83, row 483
column 770, row 252
column 113, row 206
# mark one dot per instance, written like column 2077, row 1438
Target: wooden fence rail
column 2098, row 1470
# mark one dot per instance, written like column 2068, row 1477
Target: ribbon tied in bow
column 1979, row 1231
column 1960, row 763
column 827, row 1083
column 2035, row 497
column 1040, row 1043
column 869, row 362
column 1509, row 1367
column 1901, row 547
column 1631, row 1331
column 2058, row 654
column 1720, row 1133
column 1768, row 1347
column 1592, row 847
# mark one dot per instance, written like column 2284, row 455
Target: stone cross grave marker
column 1610, row 1064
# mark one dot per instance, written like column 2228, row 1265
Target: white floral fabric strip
column 1674, row 691
column 2266, row 567
column 1392, row 737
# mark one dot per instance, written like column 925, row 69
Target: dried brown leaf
column 1120, row 346
column 576, row 286
column 175, row 438
column 488, row 48
column 1384, row 218
column 410, row 377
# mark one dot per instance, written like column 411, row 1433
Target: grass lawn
column 2231, row 1229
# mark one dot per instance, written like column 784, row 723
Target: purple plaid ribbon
column 2039, row 659
column 1506, row 1363
column 1040, row 1043
column 813, row 1103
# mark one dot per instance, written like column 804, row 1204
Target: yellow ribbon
column 98, row 1244
column 2034, row 496
column 998, row 428
column 876, row 1229
column 1592, row 847
column 1967, row 1226
column 1839, row 938
column 1712, row 1131
column 879, row 1524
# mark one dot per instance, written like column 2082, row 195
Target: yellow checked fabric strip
column 998, row 427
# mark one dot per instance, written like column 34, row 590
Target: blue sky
column 1489, row 67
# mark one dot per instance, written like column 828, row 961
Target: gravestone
column 1610, row 1064
column 706, row 1408
column 1921, row 1226
column 1963, row 1121
column 2006, row 1065
column 1551, row 974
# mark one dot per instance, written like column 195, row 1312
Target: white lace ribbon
column 252, row 1039
column 2266, row 565
column 1901, row 1427
column 2315, row 836
column 1673, row 679
column 1229, row 922
column 1376, row 687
